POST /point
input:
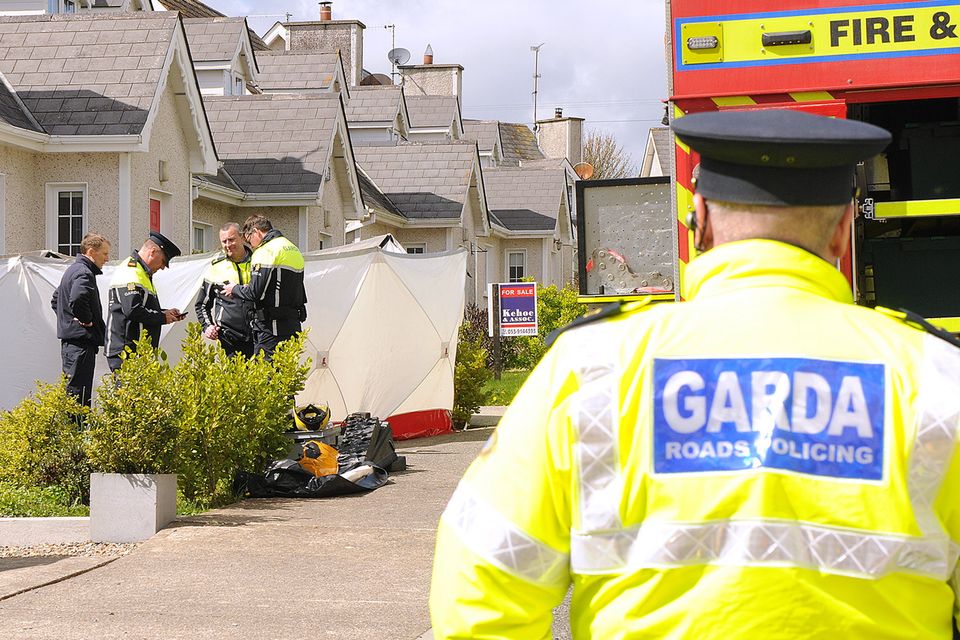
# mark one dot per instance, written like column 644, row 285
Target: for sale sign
column 518, row 308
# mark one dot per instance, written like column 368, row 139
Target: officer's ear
column 840, row 238
column 700, row 219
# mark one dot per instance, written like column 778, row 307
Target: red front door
column 154, row 215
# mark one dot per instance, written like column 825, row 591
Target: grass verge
column 502, row 391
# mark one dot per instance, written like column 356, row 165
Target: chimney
column 561, row 137
column 428, row 55
column 430, row 79
column 327, row 34
column 326, row 12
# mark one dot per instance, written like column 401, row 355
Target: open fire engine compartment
column 908, row 232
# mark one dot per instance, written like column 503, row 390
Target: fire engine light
column 702, row 42
column 786, row 37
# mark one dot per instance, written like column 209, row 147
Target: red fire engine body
column 894, row 64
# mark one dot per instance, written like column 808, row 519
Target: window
column 201, row 237
column 516, row 266
column 417, row 247
column 69, row 6
column 70, row 221
column 238, row 86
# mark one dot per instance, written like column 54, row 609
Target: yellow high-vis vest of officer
column 214, row 308
column 133, row 304
column 767, row 460
column 276, row 286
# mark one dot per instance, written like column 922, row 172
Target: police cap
column 169, row 249
column 778, row 157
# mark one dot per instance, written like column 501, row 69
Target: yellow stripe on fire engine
column 733, row 101
column 811, row 96
column 917, row 208
column 826, row 34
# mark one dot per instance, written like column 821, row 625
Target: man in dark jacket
column 133, row 298
column 227, row 319
column 276, row 285
column 80, row 324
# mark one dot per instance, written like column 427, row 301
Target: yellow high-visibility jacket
column 767, row 460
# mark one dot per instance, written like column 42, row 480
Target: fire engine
column 892, row 64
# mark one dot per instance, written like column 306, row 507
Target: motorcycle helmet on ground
column 311, row 417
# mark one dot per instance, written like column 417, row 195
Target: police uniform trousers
column 233, row 346
column 79, row 361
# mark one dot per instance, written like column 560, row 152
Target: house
column 434, row 118
column 194, row 9
column 532, row 226
column 285, row 156
column 437, row 188
column 377, row 115
column 487, row 135
column 301, row 72
column 102, row 127
column 222, row 55
column 41, row 7
column 656, row 154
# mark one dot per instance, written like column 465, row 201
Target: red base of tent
column 420, row 424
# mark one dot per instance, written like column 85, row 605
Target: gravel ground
column 71, row 549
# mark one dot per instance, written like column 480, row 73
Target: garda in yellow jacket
column 788, row 473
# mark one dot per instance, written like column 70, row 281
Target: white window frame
column 53, row 191
column 207, row 230
column 416, row 248
column 238, row 86
column 510, row 252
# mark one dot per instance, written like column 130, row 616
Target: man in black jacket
column 227, row 319
column 80, row 325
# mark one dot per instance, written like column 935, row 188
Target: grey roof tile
column 519, row 143
column 439, row 192
column 433, row 112
column 296, row 70
column 662, row 141
column 12, row 112
column 196, row 9
column 213, row 38
column 64, row 57
column 485, row 132
column 373, row 104
column 274, row 163
column 539, row 191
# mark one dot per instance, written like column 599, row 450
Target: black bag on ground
column 287, row 479
column 366, row 439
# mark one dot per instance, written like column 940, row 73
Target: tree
column 608, row 158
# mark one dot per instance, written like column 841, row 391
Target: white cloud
column 602, row 60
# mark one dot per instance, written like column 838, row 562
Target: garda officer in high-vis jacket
column 133, row 298
column 227, row 319
column 276, row 285
column 765, row 460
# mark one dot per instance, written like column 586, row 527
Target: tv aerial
column 397, row 56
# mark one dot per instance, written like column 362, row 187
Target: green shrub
column 42, row 443
column 233, row 412
column 470, row 375
column 556, row 308
column 18, row 501
column 135, row 426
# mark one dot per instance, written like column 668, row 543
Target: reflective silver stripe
column 595, row 415
column 609, row 549
column 501, row 543
column 760, row 543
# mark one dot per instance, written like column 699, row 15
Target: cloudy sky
column 601, row 60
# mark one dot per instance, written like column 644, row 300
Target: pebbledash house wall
column 328, row 222
column 217, row 214
column 534, row 262
column 27, row 175
column 168, row 143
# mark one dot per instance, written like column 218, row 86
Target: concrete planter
column 130, row 507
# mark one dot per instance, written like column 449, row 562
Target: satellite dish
column 398, row 56
column 376, row 79
column 584, row 170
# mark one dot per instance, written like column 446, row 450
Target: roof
column 523, row 220
column 662, row 141
column 373, row 104
column 296, row 70
column 374, row 197
column 485, row 132
column 86, row 74
column 12, row 112
column 539, row 191
column 213, row 38
column 519, row 143
column 276, row 143
column 222, row 179
column 424, row 180
column 433, row 112
column 195, row 9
